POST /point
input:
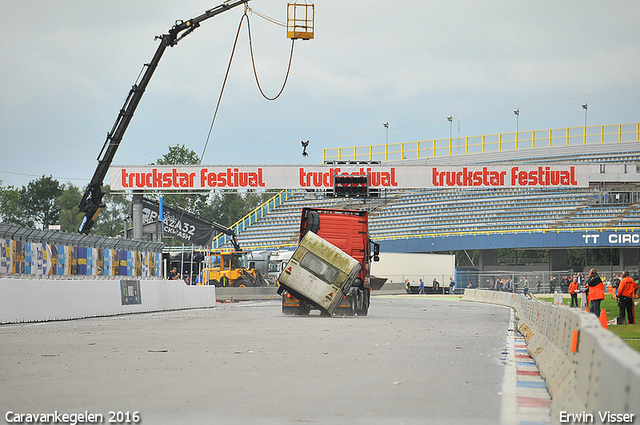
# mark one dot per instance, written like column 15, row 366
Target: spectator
column 564, row 284
column 615, row 282
column 525, row 287
column 552, row 285
column 538, row 285
column 407, row 286
column 626, row 291
column 596, row 292
column 421, row 287
column 435, row 285
column 173, row 275
column 573, row 291
column 452, row 286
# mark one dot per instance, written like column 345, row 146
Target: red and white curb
column 525, row 399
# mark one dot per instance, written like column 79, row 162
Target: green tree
column 111, row 220
column 11, row 207
column 193, row 202
column 40, row 200
column 228, row 206
column 179, row 155
column 70, row 217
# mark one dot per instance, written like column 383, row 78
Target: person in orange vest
column 573, row 288
column 596, row 292
column 626, row 292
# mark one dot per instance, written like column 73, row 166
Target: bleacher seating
column 461, row 211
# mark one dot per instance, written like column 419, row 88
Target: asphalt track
column 413, row 360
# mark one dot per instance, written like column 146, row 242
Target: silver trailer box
column 319, row 272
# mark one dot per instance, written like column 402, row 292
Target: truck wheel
column 243, row 283
column 365, row 307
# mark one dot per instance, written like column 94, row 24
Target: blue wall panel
column 548, row 240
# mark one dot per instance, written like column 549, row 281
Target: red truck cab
column 348, row 230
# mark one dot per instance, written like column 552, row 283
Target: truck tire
column 365, row 304
column 243, row 283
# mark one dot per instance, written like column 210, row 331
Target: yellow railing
column 487, row 143
column 249, row 219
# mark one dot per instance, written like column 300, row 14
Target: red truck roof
column 346, row 229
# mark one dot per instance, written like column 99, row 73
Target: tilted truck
column 346, row 231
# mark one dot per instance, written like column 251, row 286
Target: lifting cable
column 253, row 62
column 224, row 83
column 255, row 73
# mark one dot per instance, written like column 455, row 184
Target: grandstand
column 432, row 220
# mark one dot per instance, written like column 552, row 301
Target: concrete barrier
column 37, row 300
column 601, row 377
column 247, row 294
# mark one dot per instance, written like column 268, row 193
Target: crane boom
column 92, row 200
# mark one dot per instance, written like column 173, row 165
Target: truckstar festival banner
column 171, row 178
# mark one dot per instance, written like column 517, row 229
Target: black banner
column 184, row 226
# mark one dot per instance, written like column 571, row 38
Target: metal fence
column 26, row 252
column 504, row 281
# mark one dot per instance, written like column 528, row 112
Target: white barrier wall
column 600, row 377
column 36, row 300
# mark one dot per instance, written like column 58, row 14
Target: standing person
column 173, row 275
column 626, row 290
column 596, row 292
column 407, row 286
column 435, row 285
column 538, row 285
column 573, row 288
column 421, row 291
column 525, row 287
column 452, row 286
column 615, row 282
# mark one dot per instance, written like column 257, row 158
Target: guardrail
column 487, row 143
column 588, row 370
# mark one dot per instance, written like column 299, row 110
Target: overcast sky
column 67, row 67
